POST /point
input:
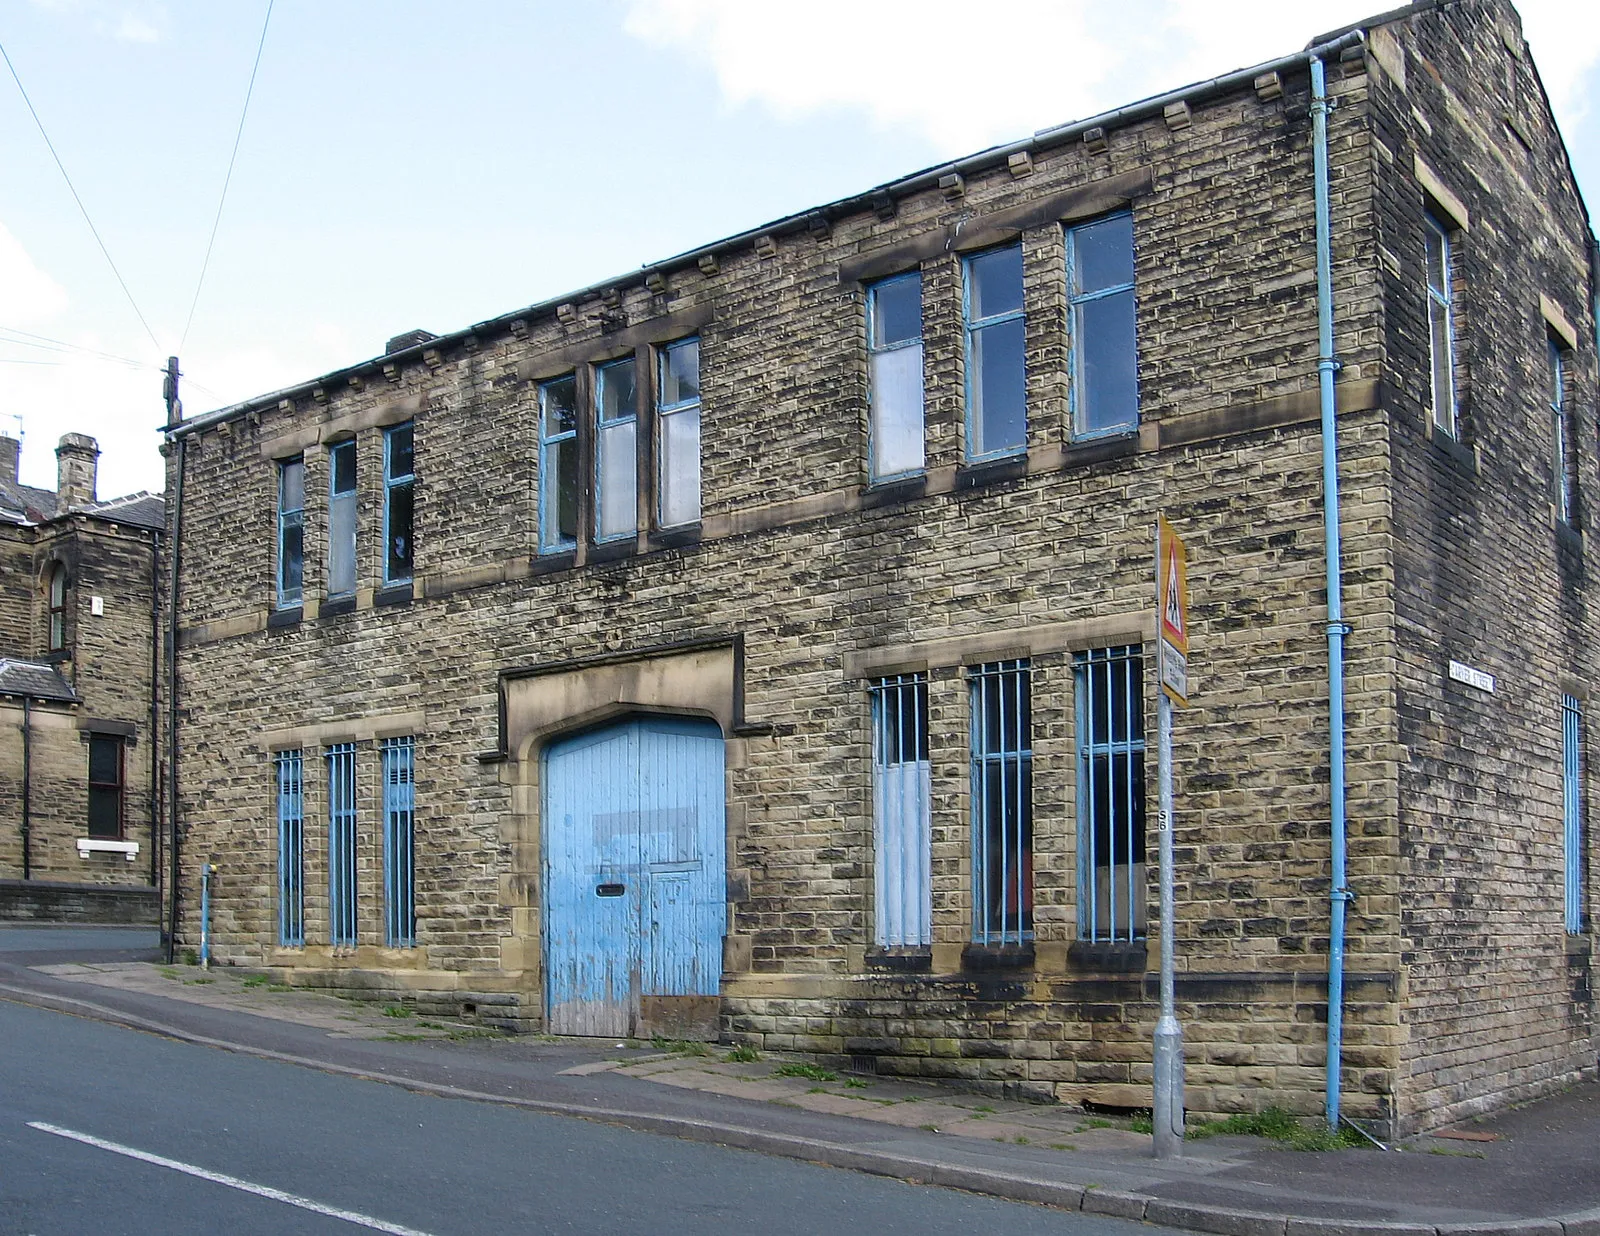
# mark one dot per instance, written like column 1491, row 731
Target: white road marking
column 232, row 1182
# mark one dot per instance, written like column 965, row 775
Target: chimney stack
column 76, row 463
column 10, row 451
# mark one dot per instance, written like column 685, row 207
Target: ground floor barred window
column 1002, row 802
column 902, row 811
column 1111, row 794
column 290, row 771
column 342, row 844
column 399, row 843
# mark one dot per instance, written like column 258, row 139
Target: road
column 79, row 1099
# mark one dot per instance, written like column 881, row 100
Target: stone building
column 761, row 642
column 79, row 654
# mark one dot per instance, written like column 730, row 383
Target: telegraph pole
column 174, row 416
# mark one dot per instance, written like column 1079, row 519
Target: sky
column 407, row 165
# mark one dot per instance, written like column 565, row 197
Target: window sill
column 549, row 562
column 396, row 594
column 676, row 537
column 901, row 960
column 612, row 551
column 991, row 471
column 1109, row 957
column 95, row 845
column 893, row 491
column 998, row 956
column 1099, row 450
column 1460, row 454
column 279, row 618
column 1578, row 944
column 1569, row 539
column 334, row 606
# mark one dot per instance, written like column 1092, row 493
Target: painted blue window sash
column 971, row 328
column 1075, row 302
column 876, row 347
column 902, row 812
column 1002, row 774
column 1558, row 420
column 393, row 483
column 607, row 432
column 342, row 844
column 399, row 842
column 1441, row 324
column 291, row 529
column 1099, row 674
column 1572, row 811
column 551, row 540
column 669, row 415
column 289, row 767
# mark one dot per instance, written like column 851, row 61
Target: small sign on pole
column 1172, row 583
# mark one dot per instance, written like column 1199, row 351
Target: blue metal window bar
column 399, row 486
column 996, row 366
column 342, row 844
column 1002, row 802
column 902, row 791
column 399, row 842
column 291, row 532
column 1104, row 391
column 558, row 464
column 290, row 769
column 1572, row 810
column 1558, row 420
column 1111, row 794
column 678, row 432
column 616, row 454
column 894, row 376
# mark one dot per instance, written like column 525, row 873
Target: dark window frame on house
column 289, row 776
column 1102, row 330
column 1000, row 698
column 399, row 503
column 559, row 504
column 1108, row 691
column 994, row 333
column 290, row 567
column 107, row 787
column 57, row 594
column 677, row 432
column 902, row 811
column 398, row 773
column 343, row 899
column 1439, row 278
column 343, row 519
column 896, row 395
column 1564, row 441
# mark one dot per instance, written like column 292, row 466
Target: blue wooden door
column 634, row 868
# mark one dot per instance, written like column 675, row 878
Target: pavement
column 1532, row 1171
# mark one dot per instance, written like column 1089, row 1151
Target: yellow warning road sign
column 1172, row 611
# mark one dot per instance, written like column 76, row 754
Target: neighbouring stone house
column 79, row 658
column 761, row 642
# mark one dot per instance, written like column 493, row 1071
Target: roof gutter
column 915, row 183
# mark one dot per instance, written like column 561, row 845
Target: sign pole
column 1172, row 648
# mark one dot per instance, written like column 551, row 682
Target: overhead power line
column 46, row 344
column 73, row 190
column 227, row 179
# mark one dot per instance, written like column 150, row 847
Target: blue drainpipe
column 1327, row 366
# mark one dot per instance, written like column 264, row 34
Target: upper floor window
column 894, row 375
column 399, row 479
column 678, row 432
column 1104, row 347
column 58, row 608
column 616, row 463
column 558, row 463
column 997, row 418
column 291, row 531
column 1562, row 462
column 1441, row 326
column 342, row 519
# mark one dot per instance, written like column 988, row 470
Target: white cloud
column 28, row 295
column 125, row 22
column 1565, row 38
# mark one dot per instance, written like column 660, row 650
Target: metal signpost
column 1172, row 659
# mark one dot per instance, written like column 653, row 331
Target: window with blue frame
column 894, row 376
column 1111, row 794
column 342, row 844
column 399, row 486
column 290, row 771
column 616, row 461
column 1562, row 468
column 678, row 433
column 1572, row 812
column 1002, row 802
column 902, row 811
column 291, row 532
column 399, row 842
column 558, row 464
column 1103, row 345
column 997, row 416
column 342, row 519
